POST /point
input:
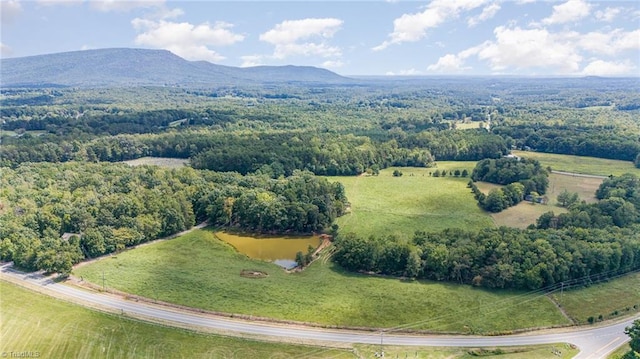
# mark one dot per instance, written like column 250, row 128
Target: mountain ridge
column 145, row 67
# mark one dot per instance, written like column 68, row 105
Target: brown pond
column 278, row 249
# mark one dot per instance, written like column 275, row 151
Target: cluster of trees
column 633, row 332
column 497, row 257
column 499, row 199
column 301, row 203
column 580, row 141
column 619, row 205
column 522, row 177
column 107, row 207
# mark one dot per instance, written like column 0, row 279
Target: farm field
column 386, row 204
column 56, row 329
column 602, row 299
column 159, row 161
column 199, row 270
column 580, row 164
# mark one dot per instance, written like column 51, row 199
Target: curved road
column 594, row 342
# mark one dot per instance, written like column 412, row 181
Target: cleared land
column 580, row 164
column 199, row 270
column 159, row 161
column 526, row 213
column 384, row 204
column 32, row 322
column 620, row 295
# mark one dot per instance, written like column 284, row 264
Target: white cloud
column 570, row 11
column 9, row 10
column 607, row 14
column 487, row 13
column 124, row 5
column 252, row 60
column 609, row 43
column 185, row 39
column 305, row 37
column 409, row 72
column 449, row 63
column 333, row 64
column 518, row 48
column 413, row 27
column 605, row 68
column 5, row 51
column 59, row 2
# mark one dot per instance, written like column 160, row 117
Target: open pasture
column 581, row 164
column 51, row 328
column 616, row 297
column 384, row 204
column 199, row 270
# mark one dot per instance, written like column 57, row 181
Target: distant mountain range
column 141, row 67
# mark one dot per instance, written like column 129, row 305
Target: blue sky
column 439, row 37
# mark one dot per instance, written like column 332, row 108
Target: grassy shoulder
column 620, row 352
column 32, row 322
column 560, row 351
column 609, row 299
column 581, row 164
column 385, row 204
column 199, row 270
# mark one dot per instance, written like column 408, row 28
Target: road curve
column 593, row 342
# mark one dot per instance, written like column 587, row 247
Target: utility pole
column 561, row 291
column 103, row 289
column 381, row 339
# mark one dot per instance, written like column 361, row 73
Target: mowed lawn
column 602, row 299
column 199, row 270
column 581, row 164
column 384, row 204
column 51, row 328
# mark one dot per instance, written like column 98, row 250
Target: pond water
column 280, row 250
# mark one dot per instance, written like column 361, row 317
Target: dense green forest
column 254, row 153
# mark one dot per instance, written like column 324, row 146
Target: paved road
column 593, row 342
column 572, row 174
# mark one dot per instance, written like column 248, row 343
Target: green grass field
column 384, row 204
column 580, row 164
column 602, row 299
column 32, row 322
column 199, row 270
column 620, row 352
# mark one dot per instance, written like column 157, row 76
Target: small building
column 66, row 235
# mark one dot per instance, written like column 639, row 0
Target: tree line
column 497, row 257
